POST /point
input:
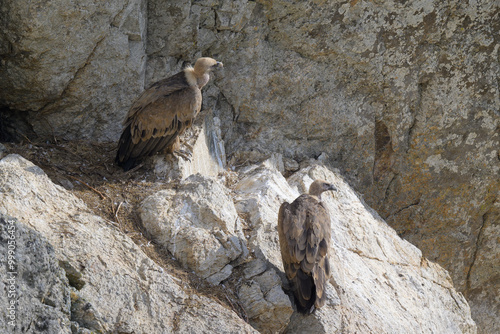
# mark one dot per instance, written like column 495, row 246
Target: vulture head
column 201, row 70
column 205, row 65
column 318, row 186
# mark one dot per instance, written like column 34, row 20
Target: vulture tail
column 125, row 147
column 305, row 292
column 129, row 164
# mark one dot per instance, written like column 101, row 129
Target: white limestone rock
column 120, row 289
column 267, row 306
column 258, row 196
column 383, row 283
column 197, row 223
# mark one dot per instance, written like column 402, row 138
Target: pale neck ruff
column 194, row 79
column 203, row 80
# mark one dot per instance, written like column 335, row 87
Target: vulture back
column 304, row 234
column 157, row 118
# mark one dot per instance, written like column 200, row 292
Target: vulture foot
column 186, row 155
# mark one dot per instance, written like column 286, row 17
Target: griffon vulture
column 162, row 113
column 304, row 234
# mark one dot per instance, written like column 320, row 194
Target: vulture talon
column 186, row 155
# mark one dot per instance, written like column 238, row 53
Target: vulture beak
column 331, row 187
column 218, row 64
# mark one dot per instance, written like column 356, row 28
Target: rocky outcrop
column 260, row 291
column 87, row 275
column 64, row 64
column 401, row 96
column 37, row 293
column 259, row 194
column 208, row 154
column 371, row 265
column 198, row 224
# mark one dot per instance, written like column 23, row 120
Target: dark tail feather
column 127, row 165
column 305, row 292
column 123, row 158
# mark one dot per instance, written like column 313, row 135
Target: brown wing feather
column 304, row 233
column 321, row 272
column 157, row 118
column 286, row 243
column 156, row 91
column 167, row 115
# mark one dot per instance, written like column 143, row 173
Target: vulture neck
column 196, row 79
column 316, row 197
column 315, row 191
column 202, row 80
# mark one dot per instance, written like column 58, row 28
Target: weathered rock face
column 198, row 224
column 403, row 98
column 36, row 290
column 261, row 293
column 371, row 265
column 380, row 283
column 369, row 261
column 65, row 64
column 259, row 195
column 113, row 286
column 208, row 154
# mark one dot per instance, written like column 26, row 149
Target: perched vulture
column 304, row 233
column 162, row 113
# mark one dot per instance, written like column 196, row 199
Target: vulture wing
column 157, row 118
column 304, row 233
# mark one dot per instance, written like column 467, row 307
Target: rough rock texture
column 483, row 289
column 267, row 306
column 402, row 96
column 370, row 264
column 116, row 287
column 380, row 283
column 198, row 224
column 371, row 267
column 208, row 154
column 64, row 64
column 37, row 292
column 259, row 195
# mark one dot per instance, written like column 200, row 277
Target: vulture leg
column 175, row 149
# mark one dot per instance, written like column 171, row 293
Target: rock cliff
column 401, row 97
column 76, row 272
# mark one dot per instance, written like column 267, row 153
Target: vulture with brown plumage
column 162, row 113
column 304, row 234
